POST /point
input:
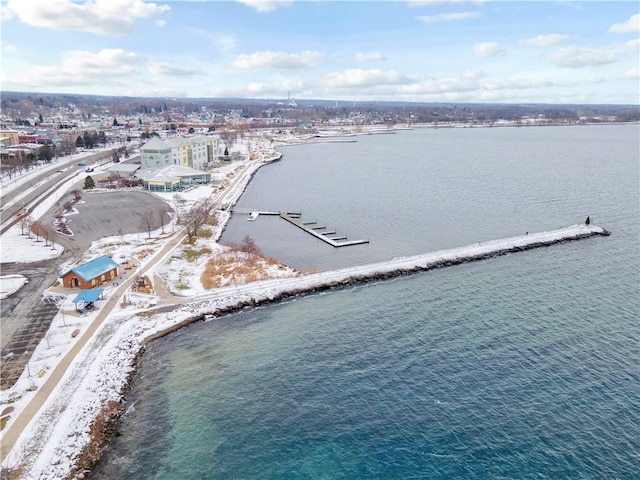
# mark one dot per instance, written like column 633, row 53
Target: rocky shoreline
column 368, row 274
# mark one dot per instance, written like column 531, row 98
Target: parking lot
column 25, row 317
column 105, row 214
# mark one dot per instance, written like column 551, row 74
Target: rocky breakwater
column 226, row 300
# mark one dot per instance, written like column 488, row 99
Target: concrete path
column 32, row 408
column 25, row 416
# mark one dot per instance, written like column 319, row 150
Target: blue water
column 523, row 366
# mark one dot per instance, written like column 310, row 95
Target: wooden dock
column 312, row 227
column 317, row 231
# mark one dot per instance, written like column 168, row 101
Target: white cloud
column 265, row 6
column 165, row 68
column 574, row 57
column 630, row 26
column 544, row 40
column 632, row 74
column 80, row 67
column 279, row 60
column 261, row 90
column 10, row 48
column 103, row 17
column 633, row 45
column 357, row 77
column 107, row 62
column 448, row 17
column 516, row 84
column 467, row 82
column 368, row 57
column 488, row 49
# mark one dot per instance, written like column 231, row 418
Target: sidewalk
column 30, row 411
column 32, row 408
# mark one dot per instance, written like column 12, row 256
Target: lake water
column 523, row 366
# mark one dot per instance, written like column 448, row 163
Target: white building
column 195, row 152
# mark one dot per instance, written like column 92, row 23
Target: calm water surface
column 524, row 366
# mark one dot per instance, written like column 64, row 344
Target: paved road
column 45, row 181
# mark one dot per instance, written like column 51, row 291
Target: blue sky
column 414, row 50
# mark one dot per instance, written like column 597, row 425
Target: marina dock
column 321, row 232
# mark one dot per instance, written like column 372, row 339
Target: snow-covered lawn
column 16, row 247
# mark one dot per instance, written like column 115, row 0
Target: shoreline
column 364, row 274
column 121, row 344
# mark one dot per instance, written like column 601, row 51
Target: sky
column 389, row 50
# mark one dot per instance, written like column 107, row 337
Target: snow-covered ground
column 50, row 444
column 60, row 429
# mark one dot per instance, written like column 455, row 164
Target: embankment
column 225, row 300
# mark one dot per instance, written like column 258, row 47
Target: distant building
column 9, row 137
column 90, row 274
column 194, row 152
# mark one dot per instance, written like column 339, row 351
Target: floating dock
column 320, row 232
column 312, row 227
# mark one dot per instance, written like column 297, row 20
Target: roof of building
column 190, row 140
column 168, row 173
column 124, row 167
column 156, row 144
column 94, row 268
column 87, row 296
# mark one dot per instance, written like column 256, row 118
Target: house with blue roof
column 90, row 274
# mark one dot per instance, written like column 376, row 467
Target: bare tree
column 48, row 233
column 36, row 228
column 162, row 217
column 53, row 234
column 148, row 221
column 197, row 216
column 77, row 195
column 228, row 137
column 178, row 203
column 249, row 246
column 25, row 223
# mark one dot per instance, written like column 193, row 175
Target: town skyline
column 398, row 51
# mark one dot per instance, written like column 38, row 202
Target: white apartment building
column 195, row 152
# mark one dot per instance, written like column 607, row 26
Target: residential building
column 194, row 152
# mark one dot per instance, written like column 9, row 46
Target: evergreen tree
column 88, row 183
column 588, row 221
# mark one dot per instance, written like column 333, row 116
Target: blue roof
column 87, row 296
column 94, row 268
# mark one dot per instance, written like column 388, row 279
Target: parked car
column 89, row 170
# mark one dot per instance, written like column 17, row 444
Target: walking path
column 30, row 410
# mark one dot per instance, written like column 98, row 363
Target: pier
column 321, row 232
column 311, row 227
